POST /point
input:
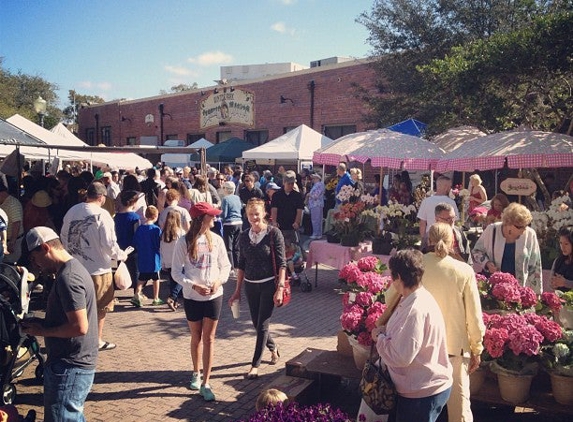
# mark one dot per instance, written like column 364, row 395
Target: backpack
column 151, row 190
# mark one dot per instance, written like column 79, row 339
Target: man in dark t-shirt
column 286, row 208
column 70, row 327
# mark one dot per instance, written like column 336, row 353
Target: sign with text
column 520, row 187
column 227, row 107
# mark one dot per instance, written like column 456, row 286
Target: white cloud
column 211, row 58
column 106, row 86
column 288, row 2
column 86, row 84
column 282, row 28
column 177, row 70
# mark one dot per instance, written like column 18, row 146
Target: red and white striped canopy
column 384, row 148
column 521, row 149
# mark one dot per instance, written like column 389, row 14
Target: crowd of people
column 199, row 230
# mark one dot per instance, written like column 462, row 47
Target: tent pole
column 19, row 174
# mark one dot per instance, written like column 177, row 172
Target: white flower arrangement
column 346, row 192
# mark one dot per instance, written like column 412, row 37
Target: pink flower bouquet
column 514, row 341
column 365, row 275
column 503, row 292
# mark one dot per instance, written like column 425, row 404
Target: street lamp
column 40, row 108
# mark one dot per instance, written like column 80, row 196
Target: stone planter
column 514, row 389
column 477, row 379
column 360, row 353
column 562, row 388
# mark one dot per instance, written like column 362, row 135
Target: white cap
column 40, row 235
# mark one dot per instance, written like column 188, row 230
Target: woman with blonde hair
column 478, row 194
column 201, row 266
column 261, row 256
column 511, row 246
column 172, row 231
column 200, row 191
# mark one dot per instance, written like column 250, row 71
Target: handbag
column 485, row 272
column 121, row 277
column 376, row 385
column 286, row 289
column 378, row 390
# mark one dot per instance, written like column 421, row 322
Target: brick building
column 257, row 110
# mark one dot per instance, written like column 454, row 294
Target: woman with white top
column 200, row 264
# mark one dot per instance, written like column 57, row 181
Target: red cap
column 202, row 208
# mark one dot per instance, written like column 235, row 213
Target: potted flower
column 348, row 224
column 292, row 411
column 549, row 304
column 363, row 287
column 401, row 221
column 514, row 343
column 502, row 293
column 557, row 359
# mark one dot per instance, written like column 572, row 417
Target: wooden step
column 296, row 367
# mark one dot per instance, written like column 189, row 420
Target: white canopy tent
column 181, row 160
column 297, row 145
column 59, row 137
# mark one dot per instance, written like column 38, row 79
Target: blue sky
column 133, row 49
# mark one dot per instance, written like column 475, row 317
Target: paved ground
column 146, row 377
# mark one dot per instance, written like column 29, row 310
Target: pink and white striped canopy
column 384, row 148
column 521, row 148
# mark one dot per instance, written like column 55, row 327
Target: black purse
column 378, row 390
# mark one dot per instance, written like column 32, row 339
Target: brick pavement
column 146, row 377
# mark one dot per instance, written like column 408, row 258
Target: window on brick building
column 288, row 128
column 90, row 136
column 106, row 135
column 172, row 136
column 131, row 140
column 191, row 138
column 336, row 131
column 257, row 137
column 223, row 136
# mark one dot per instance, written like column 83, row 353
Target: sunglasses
column 519, row 227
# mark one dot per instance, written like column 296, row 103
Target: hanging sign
column 227, row 107
column 519, row 187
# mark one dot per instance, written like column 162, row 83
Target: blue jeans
column 174, row 287
column 425, row 409
column 66, row 388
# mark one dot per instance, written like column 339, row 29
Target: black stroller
column 17, row 350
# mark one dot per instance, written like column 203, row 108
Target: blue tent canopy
column 409, row 127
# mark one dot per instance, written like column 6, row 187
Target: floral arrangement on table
column 401, row 221
column 293, row 411
column 502, row 291
column 363, row 287
column 558, row 358
column 513, row 342
column 547, row 224
column 460, row 195
column 347, row 218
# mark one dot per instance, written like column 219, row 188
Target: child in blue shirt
column 146, row 241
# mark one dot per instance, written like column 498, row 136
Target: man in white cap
column 69, row 327
column 88, row 233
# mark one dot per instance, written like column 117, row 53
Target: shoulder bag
column 376, row 385
column 485, row 272
column 286, row 289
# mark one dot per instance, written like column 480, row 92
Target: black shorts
column 197, row 310
column 148, row 276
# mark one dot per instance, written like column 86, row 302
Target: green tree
column 179, row 88
column 18, row 92
column 76, row 101
column 408, row 34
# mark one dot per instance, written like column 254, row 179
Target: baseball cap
column 106, row 174
column 317, row 175
column 178, row 170
column 289, row 177
column 38, row 236
column 273, row 186
column 202, row 208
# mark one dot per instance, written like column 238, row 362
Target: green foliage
column 18, row 92
column 494, row 64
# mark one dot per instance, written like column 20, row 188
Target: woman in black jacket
column 257, row 245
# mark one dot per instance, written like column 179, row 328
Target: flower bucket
column 562, row 388
column 477, row 378
column 332, row 237
column 381, row 247
column 343, row 345
column 350, row 239
column 514, row 388
column 360, row 353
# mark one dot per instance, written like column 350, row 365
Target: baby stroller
column 17, row 350
column 296, row 264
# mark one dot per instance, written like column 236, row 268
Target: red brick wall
column 334, row 104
